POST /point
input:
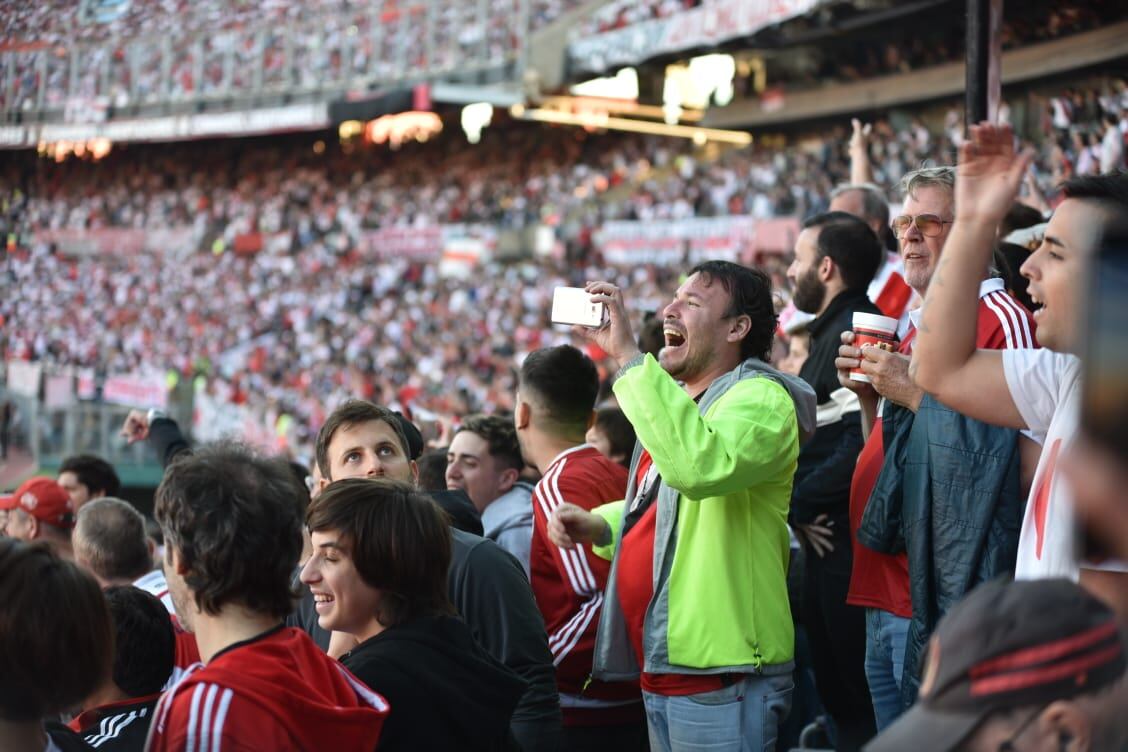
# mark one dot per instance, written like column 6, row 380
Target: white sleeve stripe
column 1004, row 320
column 578, row 554
column 1005, row 303
column 119, row 724
column 220, row 717
column 590, row 609
column 206, row 718
column 548, row 503
column 193, row 718
column 562, row 634
column 1023, row 317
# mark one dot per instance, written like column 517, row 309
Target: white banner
column 23, row 377
column 313, row 116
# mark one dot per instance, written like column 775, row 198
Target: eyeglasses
column 929, row 225
column 1007, row 745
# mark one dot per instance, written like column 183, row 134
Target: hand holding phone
column 572, row 305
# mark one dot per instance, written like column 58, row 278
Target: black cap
column 1008, row 645
column 413, row 436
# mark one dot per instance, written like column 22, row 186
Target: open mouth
column 674, row 338
column 322, row 600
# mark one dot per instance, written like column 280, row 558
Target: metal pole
column 978, row 34
column 984, row 17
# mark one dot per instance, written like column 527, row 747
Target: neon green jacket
column 721, row 545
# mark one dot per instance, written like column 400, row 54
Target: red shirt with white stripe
column 274, row 691
column 882, row 580
column 891, row 293
column 568, row 585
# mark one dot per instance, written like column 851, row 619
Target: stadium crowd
column 765, row 544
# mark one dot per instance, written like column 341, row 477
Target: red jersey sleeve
column 1004, row 324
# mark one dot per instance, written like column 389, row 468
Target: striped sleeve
column 1005, row 324
column 575, row 572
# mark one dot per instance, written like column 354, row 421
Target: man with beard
column 696, row 602
column 836, row 256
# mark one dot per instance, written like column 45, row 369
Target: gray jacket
column 508, row 522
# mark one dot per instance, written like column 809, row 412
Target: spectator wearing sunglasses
column 955, row 542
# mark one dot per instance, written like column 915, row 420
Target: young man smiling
column 1035, row 390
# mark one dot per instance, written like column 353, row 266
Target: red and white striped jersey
column 275, row 691
column 568, row 584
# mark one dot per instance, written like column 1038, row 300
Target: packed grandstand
column 280, row 273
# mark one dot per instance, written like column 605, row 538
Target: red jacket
column 277, row 691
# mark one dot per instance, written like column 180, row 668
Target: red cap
column 43, row 499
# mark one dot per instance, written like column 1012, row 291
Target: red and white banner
column 424, row 243
column 136, row 391
column 117, row 240
column 697, row 239
column 58, row 389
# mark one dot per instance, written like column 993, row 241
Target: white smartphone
column 572, row 305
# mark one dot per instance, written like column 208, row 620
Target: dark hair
column 499, row 434
column 56, row 639
column 145, row 643
column 1009, row 259
column 110, row 535
column 432, row 470
column 751, row 294
column 850, row 243
column 351, row 413
column 650, row 337
column 412, row 435
column 234, row 518
column 613, row 422
column 564, row 382
column 1019, row 217
column 398, row 539
column 93, row 472
column 1110, row 191
column 1112, row 188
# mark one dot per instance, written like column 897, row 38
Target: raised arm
column 861, row 171
column 945, row 361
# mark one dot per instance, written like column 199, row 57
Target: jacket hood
column 316, row 699
column 514, row 508
column 806, row 406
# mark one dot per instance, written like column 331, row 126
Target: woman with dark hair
column 56, row 644
column 379, row 573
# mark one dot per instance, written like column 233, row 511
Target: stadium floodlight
column 475, row 117
column 599, row 121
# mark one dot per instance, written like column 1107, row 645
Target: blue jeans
column 885, row 662
column 744, row 717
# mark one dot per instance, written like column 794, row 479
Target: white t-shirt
column 1046, row 389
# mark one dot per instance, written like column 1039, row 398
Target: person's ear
column 826, row 269
column 740, row 328
column 507, row 478
column 522, row 415
column 33, row 526
column 175, row 562
column 414, row 472
column 1066, row 722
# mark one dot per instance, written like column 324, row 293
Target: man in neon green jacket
column 696, row 604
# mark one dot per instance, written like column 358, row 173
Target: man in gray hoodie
column 484, row 460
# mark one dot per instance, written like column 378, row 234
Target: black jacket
column 121, row 727
column 489, row 589
column 826, row 461
column 446, row 692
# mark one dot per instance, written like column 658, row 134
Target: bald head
column 110, row 542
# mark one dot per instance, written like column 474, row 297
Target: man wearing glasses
column 880, row 580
